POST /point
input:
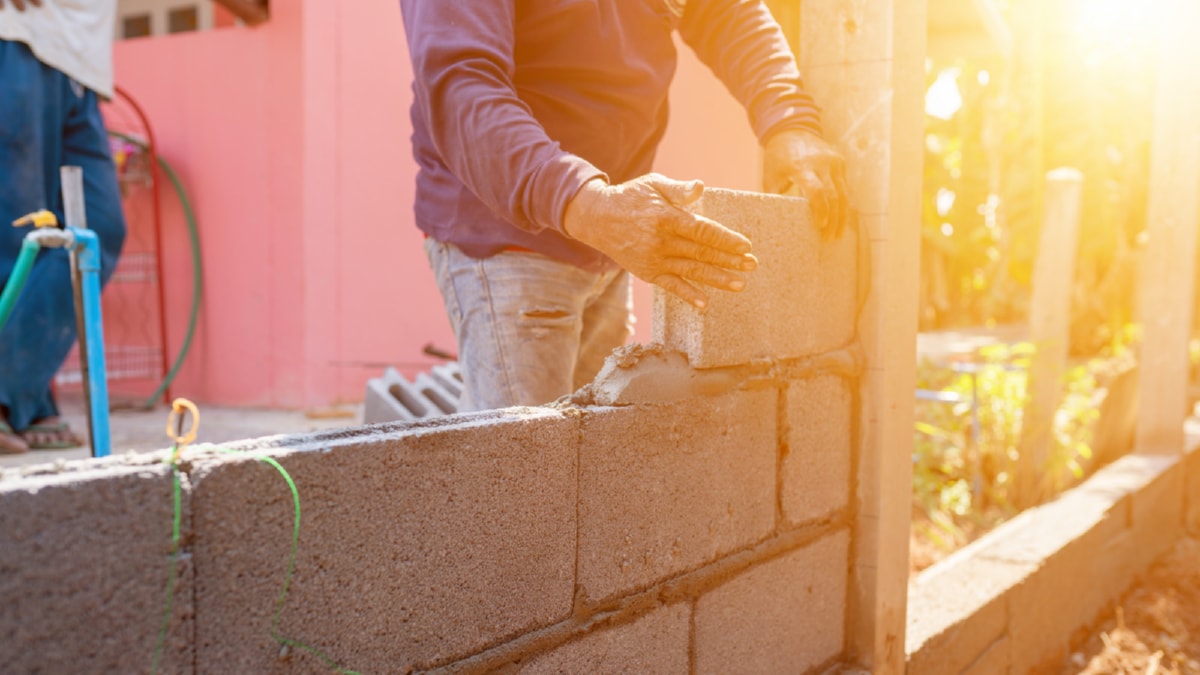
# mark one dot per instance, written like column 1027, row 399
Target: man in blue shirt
column 535, row 123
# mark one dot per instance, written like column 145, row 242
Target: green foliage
column 964, row 461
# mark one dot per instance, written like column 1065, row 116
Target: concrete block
column 392, row 398
column 655, row 643
column 665, row 489
column 1064, row 596
column 993, row 661
column 1086, row 553
column 799, row 302
column 449, row 375
column 816, row 469
column 786, row 615
column 419, row 544
column 957, row 610
column 444, row 400
column 382, row 402
column 1192, row 492
column 84, row 563
column 1158, row 510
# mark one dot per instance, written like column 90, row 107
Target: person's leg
column 518, row 320
column 607, row 324
column 30, row 144
column 47, row 122
column 84, row 144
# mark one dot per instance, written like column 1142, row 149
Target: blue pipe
column 87, row 252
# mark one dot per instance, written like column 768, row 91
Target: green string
column 287, row 580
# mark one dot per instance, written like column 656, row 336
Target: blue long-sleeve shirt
column 518, row 103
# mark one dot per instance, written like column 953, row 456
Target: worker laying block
column 535, row 124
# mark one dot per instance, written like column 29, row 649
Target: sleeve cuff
column 556, row 185
column 788, row 119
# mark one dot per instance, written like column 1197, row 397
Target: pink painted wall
column 292, row 140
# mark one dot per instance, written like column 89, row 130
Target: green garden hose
column 197, row 268
column 16, row 280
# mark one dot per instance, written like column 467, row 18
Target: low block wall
column 1016, row 599
column 669, row 519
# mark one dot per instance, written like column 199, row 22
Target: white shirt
column 71, row 36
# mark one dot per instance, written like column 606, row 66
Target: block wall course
column 786, row 615
column 1065, row 594
column 816, row 468
column 797, row 303
column 655, row 643
column 417, row 547
column 955, row 612
column 666, row 489
column 1158, row 512
column 1051, row 570
column 994, row 661
column 84, row 564
column 1192, row 492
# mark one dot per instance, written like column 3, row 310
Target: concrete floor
column 145, row 431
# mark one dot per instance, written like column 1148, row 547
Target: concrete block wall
column 1014, row 600
column 668, row 519
column 84, row 564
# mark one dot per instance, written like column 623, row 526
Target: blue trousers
column 46, row 121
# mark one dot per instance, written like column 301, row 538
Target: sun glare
column 1115, row 22
column 943, row 98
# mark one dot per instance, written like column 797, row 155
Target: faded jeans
column 530, row 329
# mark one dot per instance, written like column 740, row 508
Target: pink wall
column 292, row 140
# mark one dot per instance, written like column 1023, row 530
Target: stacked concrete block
column 783, row 616
column 666, row 489
column 418, row 547
column 1067, row 543
column 392, row 398
column 655, row 643
column 800, row 301
column 85, row 558
column 939, row 641
column 816, row 468
column 1026, row 587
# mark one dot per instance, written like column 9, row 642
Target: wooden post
column 1049, row 327
column 1170, row 264
column 864, row 62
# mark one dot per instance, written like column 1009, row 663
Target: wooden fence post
column 1168, row 284
column 1049, row 328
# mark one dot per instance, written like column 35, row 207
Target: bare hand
column 801, row 163
column 642, row 226
column 20, row 4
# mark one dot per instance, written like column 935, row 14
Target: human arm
column 746, row 49
column 463, row 70
column 462, row 56
column 20, row 5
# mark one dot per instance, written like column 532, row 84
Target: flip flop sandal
column 51, row 428
column 6, row 430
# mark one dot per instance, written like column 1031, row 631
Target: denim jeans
column 47, row 121
column 530, row 329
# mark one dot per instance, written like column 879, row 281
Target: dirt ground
column 1155, row 629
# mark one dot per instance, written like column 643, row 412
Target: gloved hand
column 642, row 226
column 20, row 4
column 802, row 164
